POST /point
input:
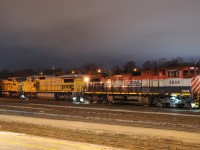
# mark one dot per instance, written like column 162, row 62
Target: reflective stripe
column 195, row 82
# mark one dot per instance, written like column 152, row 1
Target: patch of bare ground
column 117, row 140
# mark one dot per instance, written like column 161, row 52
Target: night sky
column 67, row 33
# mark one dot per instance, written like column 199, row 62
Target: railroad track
column 111, row 115
column 147, row 117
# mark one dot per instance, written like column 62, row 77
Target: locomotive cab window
column 95, row 80
column 20, row 79
column 192, row 72
column 42, row 78
column 68, row 80
column 185, row 73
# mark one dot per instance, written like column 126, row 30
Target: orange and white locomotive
column 164, row 87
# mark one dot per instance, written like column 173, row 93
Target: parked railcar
column 62, row 87
column 165, row 87
column 12, row 87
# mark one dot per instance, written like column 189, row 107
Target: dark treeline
column 93, row 68
column 155, row 64
column 164, row 63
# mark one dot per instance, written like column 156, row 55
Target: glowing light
column 99, row 70
column 86, row 79
column 193, row 105
column 135, row 69
column 53, row 68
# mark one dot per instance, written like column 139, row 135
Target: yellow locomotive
column 62, row 87
column 28, row 87
column 12, row 86
column 18, row 87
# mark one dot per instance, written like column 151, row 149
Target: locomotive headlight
column 74, row 98
column 86, row 79
column 193, row 105
column 81, row 99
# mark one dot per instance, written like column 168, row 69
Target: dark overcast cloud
column 42, row 33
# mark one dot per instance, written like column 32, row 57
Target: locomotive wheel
column 69, row 97
column 88, row 98
column 95, row 99
column 103, row 99
column 57, row 96
column 33, row 95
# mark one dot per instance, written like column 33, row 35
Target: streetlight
column 99, row 70
column 53, row 68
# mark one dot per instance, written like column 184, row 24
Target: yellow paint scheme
column 79, row 85
column 6, row 86
column 11, row 86
column 14, row 86
column 28, row 87
column 48, row 84
column 57, row 84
